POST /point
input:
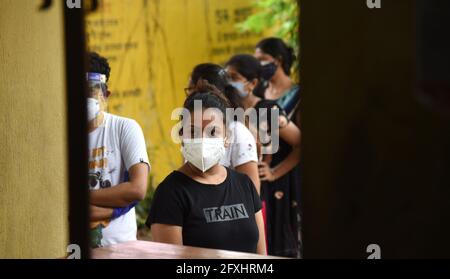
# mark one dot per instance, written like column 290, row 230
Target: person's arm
column 166, row 214
column 100, row 213
column 292, row 135
column 125, row 193
column 251, row 169
column 167, row 234
column 106, row 213
column 261, row 248
column 244, row 156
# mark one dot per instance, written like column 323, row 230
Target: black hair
column 210, row 97
column 98, row 64
column 217, row 76
column 246, row 65
column 280, row 51
column 250, row 68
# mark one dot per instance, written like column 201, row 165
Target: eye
column 211, row 132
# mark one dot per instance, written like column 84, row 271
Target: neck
column 278, row 85
column 97, row 122
column 280, row 79
column 198, row 173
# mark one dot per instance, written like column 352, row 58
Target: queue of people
column 239, row 186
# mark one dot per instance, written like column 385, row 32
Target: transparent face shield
column 97, row 91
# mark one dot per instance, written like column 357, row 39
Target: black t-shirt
column 212, row 216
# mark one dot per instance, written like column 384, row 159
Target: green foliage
column 280, row 17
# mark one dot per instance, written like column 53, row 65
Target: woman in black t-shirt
column 204, row 204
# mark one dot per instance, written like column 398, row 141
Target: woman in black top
column 204, row 204
column 277, row 59
column 279, row 183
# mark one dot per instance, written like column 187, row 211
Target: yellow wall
column 33, row 180
column 152, row 46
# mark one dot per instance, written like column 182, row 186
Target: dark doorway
column 376, row 149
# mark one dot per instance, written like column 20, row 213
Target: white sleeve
column 132, row 144
column 244, row 146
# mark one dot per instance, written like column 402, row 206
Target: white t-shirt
column 114, row 148
column 242, row 148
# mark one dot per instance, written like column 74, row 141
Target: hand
column 100, row 213
column 265, row 172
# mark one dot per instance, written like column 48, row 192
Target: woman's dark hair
column 280, row 51
column 217, row 76
column 98, row 64
column 209, row 96
column 250, row 68
column 246, row 65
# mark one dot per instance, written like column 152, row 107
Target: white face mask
column 240, row 87
column 93, row 108
column 203, row 153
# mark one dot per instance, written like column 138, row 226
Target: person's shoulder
column 172, row 182
column 269, row 106
column 174, row 176
column 233, row 173
column 265, row 103
column 121, row 120
column 243, row 184
column 238, row 176
column 123, row 126
column 239, row 129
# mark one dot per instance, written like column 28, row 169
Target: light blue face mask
column 240, row 87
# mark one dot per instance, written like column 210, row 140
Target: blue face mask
column 240, row 87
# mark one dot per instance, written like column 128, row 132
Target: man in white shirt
column 118, row 163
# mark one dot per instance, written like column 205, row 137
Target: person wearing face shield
column 118, row 163
column 203, row 203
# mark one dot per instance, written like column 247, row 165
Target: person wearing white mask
column 118, row 163
column 241, row 153
column 203, row 203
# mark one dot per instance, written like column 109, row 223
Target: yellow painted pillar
column 33, row 175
